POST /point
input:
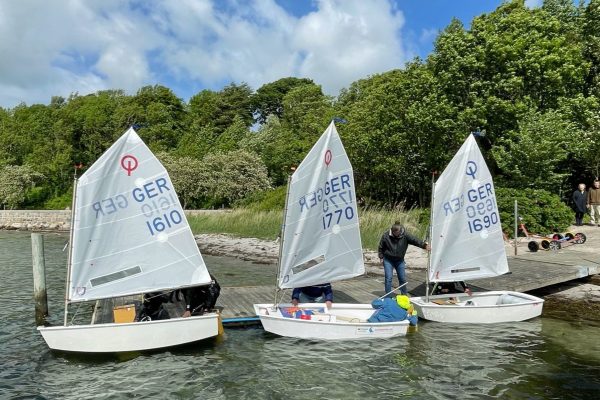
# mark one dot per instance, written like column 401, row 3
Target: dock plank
column 528, row 272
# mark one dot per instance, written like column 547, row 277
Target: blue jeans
column 388, row 267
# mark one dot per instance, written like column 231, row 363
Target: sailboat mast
column 70, row 256
column 282, row 234
column 430, row 237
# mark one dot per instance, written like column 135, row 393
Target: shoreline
column 263, row 251
column 580, row 297
column 582, row 294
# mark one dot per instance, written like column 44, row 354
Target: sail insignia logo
column 129, row 163
column 328, row 157
column 471, row 169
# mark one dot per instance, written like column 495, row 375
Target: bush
column 542, row 211
column 36, row 197
column 61, row 202
column 265, row 200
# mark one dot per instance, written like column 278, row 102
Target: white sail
column 130, row 232
column 467, row 241
column 321, row 240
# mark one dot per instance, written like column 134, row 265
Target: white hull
column 341, row 322
column 480, row 308
column 135, row 336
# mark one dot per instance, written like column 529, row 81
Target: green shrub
column 542, row 212
column 35, row 197
column 59, row 202
column 265, row 200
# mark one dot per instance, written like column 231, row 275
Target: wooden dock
column 528, row 272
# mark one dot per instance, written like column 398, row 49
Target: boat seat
column 444, row 302
column 350, row 319
column 509, row 299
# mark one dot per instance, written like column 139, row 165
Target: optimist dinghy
column 129, row 235
column 321, row 243
column 467, row 243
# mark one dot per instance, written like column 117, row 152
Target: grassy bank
column 245, row 222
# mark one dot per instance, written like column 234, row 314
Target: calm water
column 542, row 359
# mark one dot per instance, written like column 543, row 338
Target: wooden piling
column 39, row 278
column 516, row 225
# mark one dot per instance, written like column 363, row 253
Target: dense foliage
column 540, row 211
column 528, row 78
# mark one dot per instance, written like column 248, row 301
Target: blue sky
column 82, row 46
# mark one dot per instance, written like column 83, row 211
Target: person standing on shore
column 392, row 249
column 579, row 203
column 593, row 203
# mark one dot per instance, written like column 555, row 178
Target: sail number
column 156, row 198
column 335, row 190
column 334, row 199
column 477, row 224
column 167, row 220
column 482, row 214
column 336, row 216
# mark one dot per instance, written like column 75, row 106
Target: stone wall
column 33, row 220
column 49, row 220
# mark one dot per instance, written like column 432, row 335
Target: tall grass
column 245, row 222
column 373, row 222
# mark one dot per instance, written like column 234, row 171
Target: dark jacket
column 314, row 291
column 200, row 299
column 450, row 287
column 580, row 201
column 388, row 310
column 394, row 248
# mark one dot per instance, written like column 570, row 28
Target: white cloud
column 56, row 48
column 344, row 41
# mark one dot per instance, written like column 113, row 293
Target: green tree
column 591, row 47
column 541, row 211
column 196, row 142
column 219, row 109
column 186, row 175
column 283, row 143
column 23, row 128
column 231, row 176
column 88, row 123
column 275, row 146
column 268, row 99
column 15, row 182
column 161, row 119
column 563, row 10
column 535, row 155
column 229, row 139
column 400, row 128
